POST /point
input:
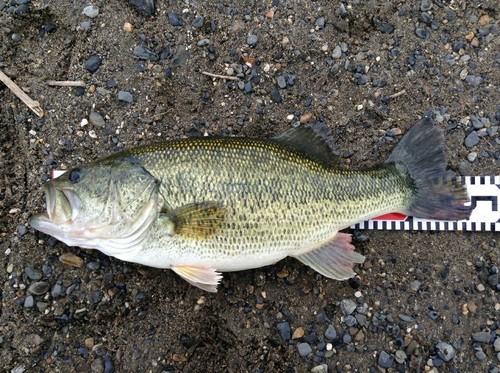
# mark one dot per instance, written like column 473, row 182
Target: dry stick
column 33, row 105
column 228, row 77
column 66, row 83
column 397, row 94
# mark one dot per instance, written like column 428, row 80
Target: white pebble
column 91, row 11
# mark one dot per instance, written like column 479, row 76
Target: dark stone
column 285, row 331
column 385, row 360
column 275, row 95
column 174, row 19
column 421, row 33
column 198, row 22
column 145, row 54
column 93, row 63
column 382, row 26
column 144, row 6
column 471, row 140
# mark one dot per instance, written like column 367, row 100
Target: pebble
column 281, row 81
column 445, row 351
column 275, row 95
column 320, row 22
column 330, row 333
column 350, row 320
column 144, row 6
column 323, row 368
column 71, row 259
column 471, row 157
column 38, row 288
column 385, row 360
column 483, row 337
column 29, row 302
column 304, row 349
column 400, row 356
column 198, row 22
column 93, row 63
column 473, row 80
column 16, row 37
column 337, row 52
column 298, row 333
column 91, row 11
column 496, row 344
column 125, row 96
column 415, row 285
column 144, row 53
column 96, row 119
column 252, row 40
column 56, row 291
column 433, row 314
column 174, row 19
column 421, row 33
column 347, row 306
column 471, row 140
column 285, row 331
column 479, row 353
column 32, row 274
column 405, row 318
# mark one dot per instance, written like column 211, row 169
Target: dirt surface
column 416, row 291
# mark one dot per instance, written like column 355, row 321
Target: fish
column 207, row 205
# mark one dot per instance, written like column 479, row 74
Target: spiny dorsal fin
column 309, row 141
column 198, row 219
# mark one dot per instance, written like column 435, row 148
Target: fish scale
column 207, row 205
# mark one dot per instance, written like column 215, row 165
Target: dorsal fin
column 310, row 141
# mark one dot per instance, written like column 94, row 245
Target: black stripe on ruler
column 446, row 226
column 473, row 225
column 419, row 226
column 483, row 226
column 384, row 225
column 429, row 226
column 464, row 226
column 482, row 180
column 493, row 227
column 492, row 179
column 472, row 180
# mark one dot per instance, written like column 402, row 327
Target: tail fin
column 438, row 193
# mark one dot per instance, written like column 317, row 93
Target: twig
column 228, row 77
column 66, row 83
column 397, row 94
column 33, row 105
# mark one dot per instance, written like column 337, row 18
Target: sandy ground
column 340, row 71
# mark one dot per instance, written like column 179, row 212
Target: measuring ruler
column 484, row 193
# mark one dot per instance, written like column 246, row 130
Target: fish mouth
column 63, row 206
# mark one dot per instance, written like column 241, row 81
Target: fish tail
column 437, row 193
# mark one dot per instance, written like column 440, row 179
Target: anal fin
column 202, row 277
column 335, row 258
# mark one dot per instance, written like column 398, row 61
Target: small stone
column 93, row 63
column 400, row 356
column 128, row 27
column 252, row 40
column 337, row 52
column 298, row 333
column 323, row 368
column 275, row 95
column 284, row 329
column 480, row 287
column 89, row 342
column 198, row 22
column 38, row 288
column 29, row 302
column 32, row 274
column 406, row 318
column 304, row 349
column 125, row 96
column 96, row 119
column 56, row 291
column 473, row 80
column 350, row 320
column 144, row 6
column 16, row 37
column 174, row 19
column 482, row 337
column 330, row 333
column 144, row 53
column 472, row 307
column 471, row 140
column 385, row 360
column 306, row 117
column 281, row 81
column 347, row 306
column 359, row 337
column 383, row 26
column 472, row 156
column 445, row 351
column 479, row 353
column 91, row 11
column 415, row 285
column 496, row 344
column 71, row 259
column 320, row 22
column 433, row 314
column 421, row 33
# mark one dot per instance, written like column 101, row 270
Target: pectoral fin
column 197, row 220
column 205, row 278
column 334, row 259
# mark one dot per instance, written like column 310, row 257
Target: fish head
column 109, row 205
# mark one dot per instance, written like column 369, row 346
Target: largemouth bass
column 202, row 206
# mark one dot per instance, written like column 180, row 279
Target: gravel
column 125, row 96
column 385, row 360
column 93, row 63
column 471, row 140
column 445, row 351
column 91, row 11
column 304, row 349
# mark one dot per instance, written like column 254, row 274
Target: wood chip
column 71, row 260
column 178, row 358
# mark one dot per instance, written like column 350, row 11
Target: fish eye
column 74, row 175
